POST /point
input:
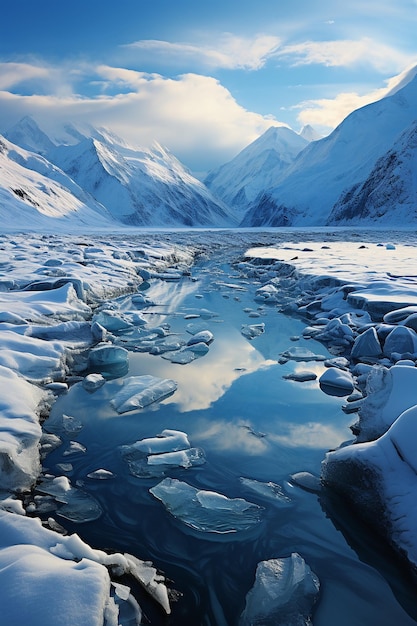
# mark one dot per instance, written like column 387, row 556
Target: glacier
column 342, row 291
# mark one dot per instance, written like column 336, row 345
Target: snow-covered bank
column 56, row 306
column 360, row 301
column 48, row 292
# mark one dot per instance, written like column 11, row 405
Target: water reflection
column 204, row 381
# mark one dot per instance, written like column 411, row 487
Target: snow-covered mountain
column 36, row 194
column 138, row 187
column 389, row 193
column 321, row 176
column 257, row 167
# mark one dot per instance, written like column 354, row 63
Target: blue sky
column 203, row 79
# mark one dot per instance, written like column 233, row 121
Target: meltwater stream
column 248, row 422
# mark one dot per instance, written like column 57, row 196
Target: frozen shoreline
column 339, row 286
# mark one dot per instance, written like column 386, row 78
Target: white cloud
column 193, row 115
column 13, row 74
column 329, row 112
column 228, row 52
column 345, row 53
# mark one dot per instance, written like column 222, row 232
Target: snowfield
column 356, row 292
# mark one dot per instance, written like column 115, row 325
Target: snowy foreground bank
column 57, row 323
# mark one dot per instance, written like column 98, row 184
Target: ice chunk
column 167, row 441
column 306, row 481
column 74, row 504
column 204, row 336
column 71, row 425
column 141, row 391
column 100, row 474
column 298, row 353
column 180, row 458
column 181, row 357
column 336, row 382
column 301, row 377
column 92, row 382
column 105, row 355
column 74, row 447
column 200, row 348
column 269, row 490
column 139, row 299
column 156, row 465
column 250, row 331
column 112, row 321
column 206, row 511
column 267, row 293
column 49, row 442
column 284, row 593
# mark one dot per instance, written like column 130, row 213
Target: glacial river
column 249, row 422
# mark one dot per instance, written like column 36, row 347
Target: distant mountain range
column 127, row 185
column 363, row 173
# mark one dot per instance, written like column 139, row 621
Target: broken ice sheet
column 156, row 465
column 250, row 331
column 206, row 511
column 72, row 504
column 269, row 490
column 167, row 441
column 298, row 353
column 139, row 392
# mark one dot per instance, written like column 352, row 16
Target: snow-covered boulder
column 339, row 380
column 389, row 393
column 401, row 340
column 366, row 344
column 379, row 479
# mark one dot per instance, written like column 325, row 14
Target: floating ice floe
column 100, row 474
column 206, row 511
column 203, row 336
column 284, row 593
column 139, row 392
column 301, row 377
column 167, row 441
column 157, row 465
column 154, row 456
column 298, row 353
column 250, row 331
column 269, row 490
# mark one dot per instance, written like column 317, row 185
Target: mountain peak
column 309, row 133
column 27, row 134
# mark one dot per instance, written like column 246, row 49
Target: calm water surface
column 234, row 404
